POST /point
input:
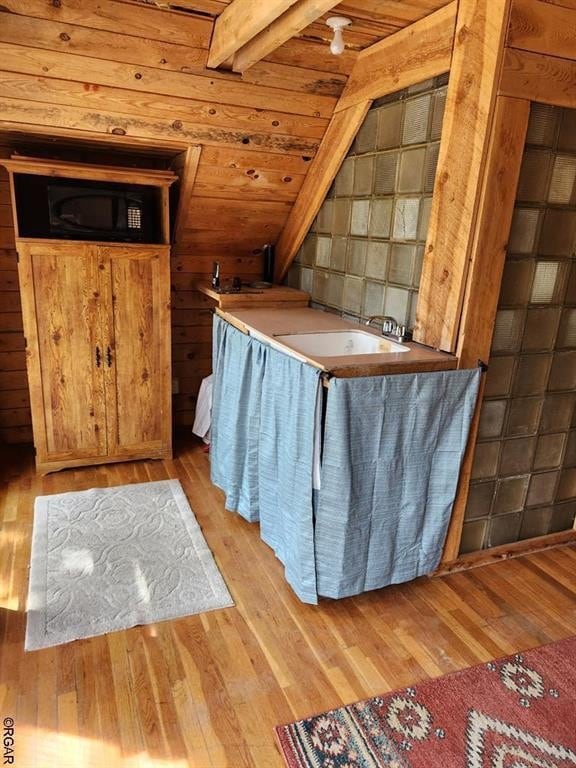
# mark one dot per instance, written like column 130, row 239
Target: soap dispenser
column 268, row 263
column 216, row 275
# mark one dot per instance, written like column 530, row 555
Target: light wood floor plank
column 206, row 691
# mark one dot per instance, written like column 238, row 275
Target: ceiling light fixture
column 337, row 23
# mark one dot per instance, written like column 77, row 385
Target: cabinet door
column 137, row 355
column 61, row 306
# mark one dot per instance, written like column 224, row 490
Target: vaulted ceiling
column 134, row 74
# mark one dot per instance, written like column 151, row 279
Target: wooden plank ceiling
column 132, row 74
column 122, row 73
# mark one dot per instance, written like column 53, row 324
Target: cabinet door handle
column 109, row 357
column 98, row 357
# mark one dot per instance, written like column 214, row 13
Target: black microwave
column 61, row 208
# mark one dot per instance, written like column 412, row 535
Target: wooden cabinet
column 97, row 324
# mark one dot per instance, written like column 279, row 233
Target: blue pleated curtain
column 238, row 376
column 391, row 455
column 393, row 446
column 262, row 446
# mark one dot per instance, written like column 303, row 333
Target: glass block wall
column 524, row 471
column 363, row 254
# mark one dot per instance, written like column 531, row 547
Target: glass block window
column 524, row 473
column 544, row 283
column 363, row 255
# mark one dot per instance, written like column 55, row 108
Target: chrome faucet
column 390, row 327
column 389, row 324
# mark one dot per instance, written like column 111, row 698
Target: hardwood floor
column 206, row 691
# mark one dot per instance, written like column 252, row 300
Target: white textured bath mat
column 111, row 558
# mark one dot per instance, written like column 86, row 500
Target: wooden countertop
column 276, row 296
column 272, row 323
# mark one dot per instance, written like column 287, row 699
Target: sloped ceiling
column 135, row 72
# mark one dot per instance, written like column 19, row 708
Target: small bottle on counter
column 216, row 274
column 268, row 263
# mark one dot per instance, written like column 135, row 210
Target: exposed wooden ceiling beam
column 418, row 52
column 293, row 21
column 239, row 23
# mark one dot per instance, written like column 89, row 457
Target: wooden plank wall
column 15, row 422
column 540, row 58
column 74, row 72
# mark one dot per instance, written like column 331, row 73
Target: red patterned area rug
column 517, row 712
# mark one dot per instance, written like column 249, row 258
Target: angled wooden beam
column 239, row 23
column 495, row 210
column 479, row 40
column 416, row 53
column 336, row 142
column 186, row 166
column 287, row 26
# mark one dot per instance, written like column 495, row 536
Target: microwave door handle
column 115, row 212
column 122, row 220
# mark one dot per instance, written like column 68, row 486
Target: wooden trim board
column 59, row 168
column 547, row 79
column 474, row 77
column 495, row 210
column 186, row 166
column 506, row 551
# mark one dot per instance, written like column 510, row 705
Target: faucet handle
column 390, row 326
